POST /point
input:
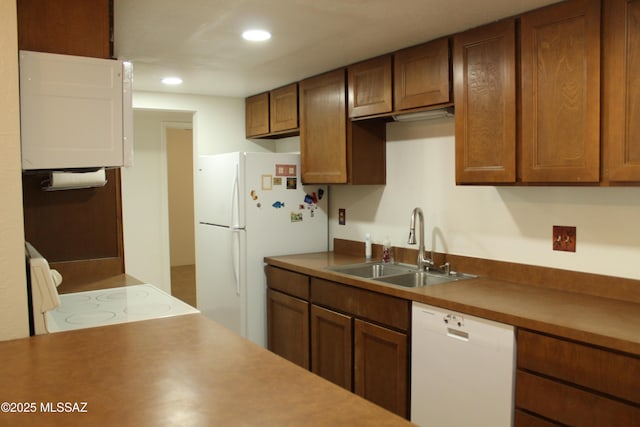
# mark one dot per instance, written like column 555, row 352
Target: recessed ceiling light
column 256, row 35
column 172, row 81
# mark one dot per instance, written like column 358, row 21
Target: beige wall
column 181, row 198
column 13, row 292
column 501, row 223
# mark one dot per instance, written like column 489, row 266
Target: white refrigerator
column 248, row 206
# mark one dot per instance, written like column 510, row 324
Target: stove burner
column 122, row 295
column 90, row 317
column 79, row 307
column 148, row 309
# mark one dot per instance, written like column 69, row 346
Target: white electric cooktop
column 110, row 306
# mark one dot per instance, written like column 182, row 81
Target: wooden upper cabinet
column 283, row 109
column 272, row 114
column 257, row 115
column 560, row 92
column 69, row 27
column 370, row 87
column 621, row 89
column 323, row 129
column 421, row 75
column 334, row 150
column 484, row 73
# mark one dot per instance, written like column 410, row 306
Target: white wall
column 14, row 321
column 218, row 126
column 500, row 223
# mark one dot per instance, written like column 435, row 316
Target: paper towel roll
column 59, row 180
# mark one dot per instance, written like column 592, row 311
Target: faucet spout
column 423, row 262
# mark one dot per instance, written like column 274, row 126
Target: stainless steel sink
column 398, row 274
column 371, row 270
column 425, row 278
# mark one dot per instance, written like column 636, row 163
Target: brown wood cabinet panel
column 616, row 374
column 283, row 109
column 621, row 89
column 571, row 406
column 257, row 115
column 560, row 92
column 288, row 327
column 332, row 346
column 69, row 27
column 370, row 87
column 381, row 366
column 367, row 152
column 484, row 73
column 523, row 419
column 323, row 129
column 384, row 309
column 422, row 75
column 289, row 282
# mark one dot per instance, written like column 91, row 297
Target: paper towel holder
column 74, row 179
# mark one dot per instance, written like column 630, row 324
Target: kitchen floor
column 183, row 283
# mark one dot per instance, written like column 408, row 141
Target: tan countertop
column 178, row 371
column 600, row 321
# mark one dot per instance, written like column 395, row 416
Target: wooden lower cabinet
column 288, row 315
column 571, row 383
column 355, row 338
column 288, row 327
column 381, row 366
column 332, row 346
column 368, row 359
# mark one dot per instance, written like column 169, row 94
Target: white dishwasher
column 462, row 369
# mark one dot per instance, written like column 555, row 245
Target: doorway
column 180, row 195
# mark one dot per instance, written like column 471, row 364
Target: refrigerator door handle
column 235, row 200
column 235, row 256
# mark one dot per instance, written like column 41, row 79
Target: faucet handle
column 446, row 268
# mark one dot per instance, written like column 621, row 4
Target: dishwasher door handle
column 458, row 335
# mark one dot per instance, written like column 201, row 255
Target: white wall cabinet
column 75, row 112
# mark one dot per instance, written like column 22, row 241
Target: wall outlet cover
column 564, row 238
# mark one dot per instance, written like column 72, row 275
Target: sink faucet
column 424, row 263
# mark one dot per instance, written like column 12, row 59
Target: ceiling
column 200, row 41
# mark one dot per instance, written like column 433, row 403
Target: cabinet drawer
column 569, row 405
column 523, row 419
column 291, row 283
column 601, row 370
column 384, row 309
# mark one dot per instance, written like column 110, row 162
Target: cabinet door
column 484, row 73
column 331, row 346
column 323, row 129
column 421, row 75
column 621, row 89
column 257, row 115
column 284, row 108
column 370, row 87
column 288, row 327
column 560, row 60
column 70, row 27
column 381, row 366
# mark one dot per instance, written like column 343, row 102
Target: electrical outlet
column 342, row 216
column 564, row 238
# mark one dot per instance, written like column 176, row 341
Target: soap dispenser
column 367, row 246
column 386, row 251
